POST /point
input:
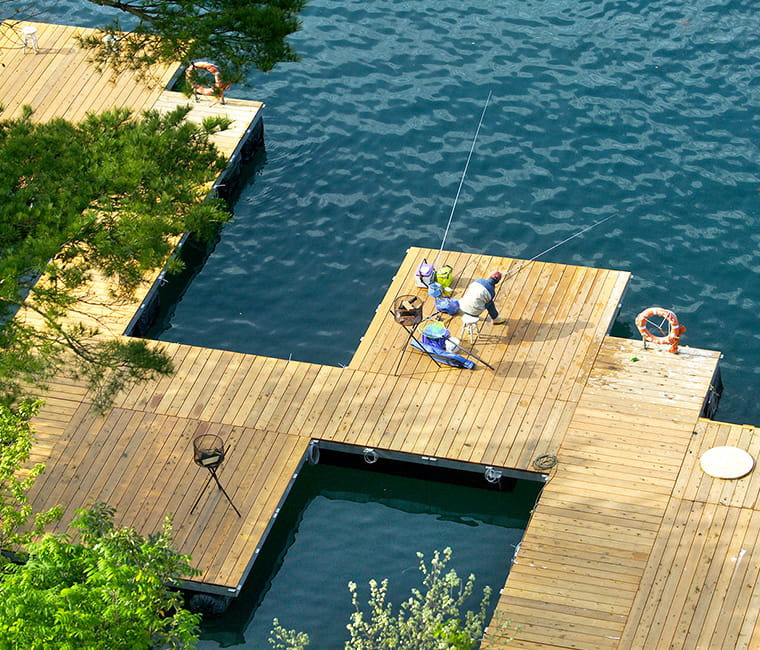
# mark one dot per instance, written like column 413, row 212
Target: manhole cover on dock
column 726, row 462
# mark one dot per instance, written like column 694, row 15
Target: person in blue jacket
column 480, row 296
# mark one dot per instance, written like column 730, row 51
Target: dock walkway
column 59, row 82
column 590, row 567
column 630, row 545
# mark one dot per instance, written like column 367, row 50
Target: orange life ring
column 671, row 337
column 218, row 88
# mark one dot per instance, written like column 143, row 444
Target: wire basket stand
column 407, row 312
column 209, row 453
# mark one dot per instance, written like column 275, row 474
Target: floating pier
column 631, row 545
column 58, row 81
column 624, row 535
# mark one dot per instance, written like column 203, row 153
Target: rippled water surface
column 645, row 110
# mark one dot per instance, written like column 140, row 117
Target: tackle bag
column 444, row 276
column 425, row 274
column 447, row 306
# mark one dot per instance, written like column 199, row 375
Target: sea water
column 643, row 110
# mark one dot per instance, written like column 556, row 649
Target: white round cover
column 726, row 462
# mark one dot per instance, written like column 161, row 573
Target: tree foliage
column 110, row 590
column 108, row 195
column 235, row 34
column 18, row 524
column 430, row 619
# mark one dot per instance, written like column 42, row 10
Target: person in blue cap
column 480, row 296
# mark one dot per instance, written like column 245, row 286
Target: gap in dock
column 361, row 513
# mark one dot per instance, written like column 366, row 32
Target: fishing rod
column 564, row 241
column 461, row 181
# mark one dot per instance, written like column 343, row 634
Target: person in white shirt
column 480, row 296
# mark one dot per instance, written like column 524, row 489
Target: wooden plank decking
column 700, row 585
column 631, row 545
column 593, row 565
column 242, row 112
column 566, row 391
column 600, row 519
column 60, row 82
column 557, row 316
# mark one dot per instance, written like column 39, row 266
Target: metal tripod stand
column 209, row 452
column 407, row 312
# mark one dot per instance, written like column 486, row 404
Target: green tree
column 108, row 195
column 110, row 589
column 235, row 34
column 18, row 524
column 430, row 619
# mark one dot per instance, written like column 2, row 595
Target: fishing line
column 461, row 182
column 564, row 241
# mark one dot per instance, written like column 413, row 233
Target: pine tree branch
column 126, row 7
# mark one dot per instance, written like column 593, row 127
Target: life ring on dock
column 219, row 86
column 670, row 335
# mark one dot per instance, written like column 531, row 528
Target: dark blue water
column 645, row 110
column 341, row 524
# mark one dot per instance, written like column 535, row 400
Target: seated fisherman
column 479, row 296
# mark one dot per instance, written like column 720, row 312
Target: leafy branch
column 16, row 478
column 236, row 34
column 110, row 589
column 430, row 619
column 108, row 196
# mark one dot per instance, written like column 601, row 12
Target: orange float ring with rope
column 668, row 336
column 219, row 86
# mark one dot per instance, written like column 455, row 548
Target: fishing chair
column 29, row 34
column 470, row 326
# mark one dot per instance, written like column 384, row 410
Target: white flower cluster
column 429, row 619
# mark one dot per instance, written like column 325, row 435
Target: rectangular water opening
column 353, row 514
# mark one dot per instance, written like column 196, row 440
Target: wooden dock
column 629, row 538
column 626, row 499
column 60, row 82
column 630, row 545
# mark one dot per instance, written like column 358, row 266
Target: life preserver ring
column 218, row 88
column 670, row 338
